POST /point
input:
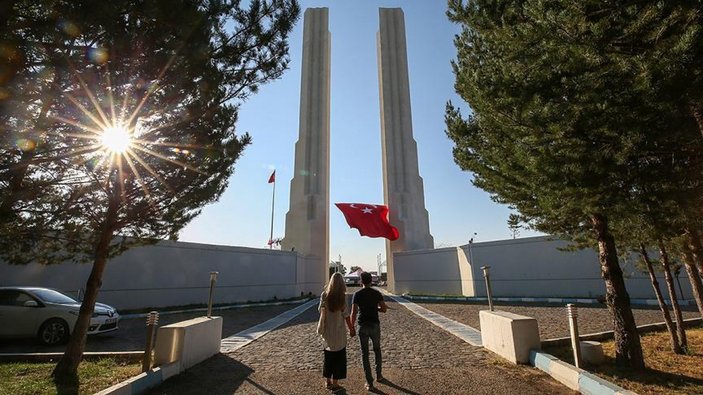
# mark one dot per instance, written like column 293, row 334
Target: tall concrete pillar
column 403, row 190
column 307, row 220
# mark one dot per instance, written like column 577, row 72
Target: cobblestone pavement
column 131, row 334
column 418, row 358
column 552, row 319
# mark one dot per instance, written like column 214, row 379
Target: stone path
column 241, row 339
column 419, row 358
column 462, row 331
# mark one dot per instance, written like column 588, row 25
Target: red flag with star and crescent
column 370, row 219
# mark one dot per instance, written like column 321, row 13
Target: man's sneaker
column 370, row 387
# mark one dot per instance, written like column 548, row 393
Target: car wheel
column 54, row 331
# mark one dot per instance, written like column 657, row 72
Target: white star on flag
column 367, row 210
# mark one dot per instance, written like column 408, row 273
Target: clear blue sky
column 457, row 209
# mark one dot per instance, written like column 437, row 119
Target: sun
column 116, row 139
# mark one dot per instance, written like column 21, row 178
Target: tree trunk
column 628, row 350
column 695, row 242
column 694, row 278
column 697, row 112
column 66, row 371
column 693, row 257
column 680, row 330
column 675, row 347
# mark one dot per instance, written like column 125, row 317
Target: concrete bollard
column 487, row 277
column 213, row 279
column 572, row 313
column 152, row 320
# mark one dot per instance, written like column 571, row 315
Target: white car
column 47, row 314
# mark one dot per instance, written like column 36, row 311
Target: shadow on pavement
column 218, row 375
column 396, row 387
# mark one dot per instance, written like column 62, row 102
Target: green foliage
column 514, row 225
column 174, row 72
column 565, row 122
column 337, row 267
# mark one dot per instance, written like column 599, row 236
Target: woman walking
column 333, row 316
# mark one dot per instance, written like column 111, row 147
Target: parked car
column 48, row 314
column 352, row 279
column 374, row 279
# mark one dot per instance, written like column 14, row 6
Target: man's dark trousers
column 370, row 330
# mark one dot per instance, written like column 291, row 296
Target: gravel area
column 552, row 319
column 418, row 358
column 131, row 335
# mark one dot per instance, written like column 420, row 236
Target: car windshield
column 51, row 296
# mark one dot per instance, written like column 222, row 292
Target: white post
column 574, row 329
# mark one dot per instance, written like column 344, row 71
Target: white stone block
column 509, row 335
column 592, row 352
column 188, row 342
column 565, row 373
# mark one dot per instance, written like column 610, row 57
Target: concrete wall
column 177, row 273
column 528, row 267
column 432, row 272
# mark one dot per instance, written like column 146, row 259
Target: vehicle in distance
column 48, row 315
column 355, row 279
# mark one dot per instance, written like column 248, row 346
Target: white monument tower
column 307, row 221
column 403, row 190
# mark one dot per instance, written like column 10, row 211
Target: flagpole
column 273, row 200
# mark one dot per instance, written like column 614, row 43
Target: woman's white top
column 335, row 335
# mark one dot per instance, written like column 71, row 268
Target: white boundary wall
column 527, row 267
column 172, row 273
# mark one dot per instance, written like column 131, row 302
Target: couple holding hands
column 334, row 316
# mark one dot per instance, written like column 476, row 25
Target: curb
column 228, row 307
column 607, row 335
column 636, row 302
column 573, row 377
column 144, row 381
column 54, row 356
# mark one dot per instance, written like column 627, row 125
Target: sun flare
column 116, row 139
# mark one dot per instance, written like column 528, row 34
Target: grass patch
column 666, row 372
column 35, row 378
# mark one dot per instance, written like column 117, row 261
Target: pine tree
column 553, row 132
column 165, row 80
column 514, row 225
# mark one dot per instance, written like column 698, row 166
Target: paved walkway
column 462, row 331
column 419, row 358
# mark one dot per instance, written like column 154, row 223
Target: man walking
column 367, row 302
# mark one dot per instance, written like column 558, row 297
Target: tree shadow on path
column 218, row 375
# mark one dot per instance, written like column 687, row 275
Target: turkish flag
column 370, row 219
column 273, row 177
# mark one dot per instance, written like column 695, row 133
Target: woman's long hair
column 336, row 293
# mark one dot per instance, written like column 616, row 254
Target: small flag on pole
column 273, row 177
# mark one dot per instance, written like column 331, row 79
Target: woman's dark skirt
column 335, row 366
